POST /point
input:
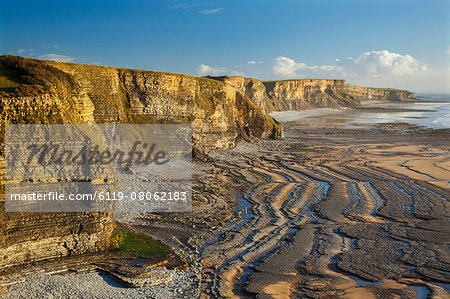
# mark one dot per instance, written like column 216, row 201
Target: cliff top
column 24, row 76
column 304, row 79
column 21, row 75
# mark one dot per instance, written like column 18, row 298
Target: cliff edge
column 36, row 91
column 303, row 94
column 222, row 110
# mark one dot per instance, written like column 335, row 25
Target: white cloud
column 24, row 51
column 56, row 57
column 251, row 62
column 203, row 7
column 285, row 66
column 379, row 63
column 204, row 70
column 373, row 63
column 212, row 11
column 373, row 68
column 183, row 5
column 448, row 50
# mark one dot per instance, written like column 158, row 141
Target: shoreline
column 289, row 213
column 426, row 114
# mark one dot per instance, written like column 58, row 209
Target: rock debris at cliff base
column 323, row 212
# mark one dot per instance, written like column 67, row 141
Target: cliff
column 369, row 93
column 31, row 237
column 252, row 88
column 59, row 92
column 309, row 93
column 222, row 110
column 28, row 95
column 35, row 91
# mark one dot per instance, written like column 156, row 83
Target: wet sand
column 328, row 211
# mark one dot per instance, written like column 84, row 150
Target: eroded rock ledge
column 36, row 91
column 310, row 93
column 221, row 113
column 57, row 92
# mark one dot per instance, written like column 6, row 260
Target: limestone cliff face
column 27, row 238
column 313, row 93
column 309, row 93
column 367, row 93
column 101, row 91
column 252, row 88
column 219, row 114
column 221, row 111
column 31, row 237
column 34, row 91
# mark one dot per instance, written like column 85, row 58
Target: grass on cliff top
column 129, row 241
column 8, row 80
column 388, row 89
column 26, row 76
column 161, row 73
column 393, row 89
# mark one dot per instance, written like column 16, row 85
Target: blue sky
column 395, row 43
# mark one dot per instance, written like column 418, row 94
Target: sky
column 395, row 43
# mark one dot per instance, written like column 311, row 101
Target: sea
column 428, row 110
column 433, row 111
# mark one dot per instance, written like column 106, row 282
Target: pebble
column 95, row 285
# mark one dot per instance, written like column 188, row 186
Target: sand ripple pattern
column 338, row 221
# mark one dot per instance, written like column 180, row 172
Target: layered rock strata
column 310, row 93
column 34, row 91
column 221, row 113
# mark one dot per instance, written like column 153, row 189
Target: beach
column 342, row 206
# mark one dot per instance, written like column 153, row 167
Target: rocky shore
column 327, row 211
column 336, row 212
